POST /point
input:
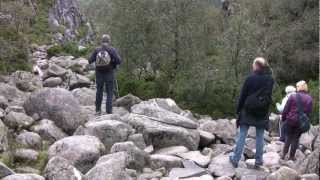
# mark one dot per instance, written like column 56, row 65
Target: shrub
column 69, row 48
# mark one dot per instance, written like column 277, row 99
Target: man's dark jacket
column 254, row 82
column 115, row 60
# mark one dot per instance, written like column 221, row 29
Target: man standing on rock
column 106, row 60
column 253, row 109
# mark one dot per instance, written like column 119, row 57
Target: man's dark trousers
column 104, row 79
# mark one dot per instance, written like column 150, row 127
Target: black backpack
column 303, row 119
column 258, row 103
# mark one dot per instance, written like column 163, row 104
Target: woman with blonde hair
column 299, row 103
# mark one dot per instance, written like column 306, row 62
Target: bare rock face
column 66, row 14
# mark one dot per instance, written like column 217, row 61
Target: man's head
column 259, row 63
column 106, row 39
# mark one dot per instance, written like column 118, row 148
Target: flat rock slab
column 197, row 157
column 173, row 150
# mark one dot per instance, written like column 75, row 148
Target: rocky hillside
column 49, row 131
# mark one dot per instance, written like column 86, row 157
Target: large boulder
column 18, row 120
column 162, row 135
column 139, row 158
column 245, row 173
column 85, row 96
column 81, row 151
column 23, row 177
column 25, row 81
column 223, row 129
column 284, row 173
column 58, row 105
column 48, row 131
column 157, row 113
column 59, row 168
column 108, row 131
column 127, row 101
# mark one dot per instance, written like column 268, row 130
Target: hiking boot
column 234, row 164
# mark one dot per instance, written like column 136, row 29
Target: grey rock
column 206, row 138
column 138, row 140
column 110, row 170
column 188, row 172
column 151, row 175
column 139, row 158
column 222, row 129
column 284, row 173
column 244, row 173
column 23, row 177
column 157, row 113
column 203, row 177
column 4, row 103
column 27, row 155
column 58, row 105
column 310, row 164
column 173, row 150
column 316, row 143
column 10, row 92
column 56, row 71
column 271, row 159
column 18, row 120
column 59, row 168
column 108, row 131
column 17, row 109
column 221, row 166
column 78, row 81
column 196, row 157
column 25, row 81
column 218, row 149
column 48, row 131
column 79, row 65
column 81, row 151
column 63, row 61
column 127, row 101
column 5, row 171
column 306, row 140
column 27, row 170
column 309, row 177
column 29, row 140
column 85, row 96
column 163, row 135
column 167, row 161
column 121, row 111
column 52, row 82
column 4, row 145
column 224, row 178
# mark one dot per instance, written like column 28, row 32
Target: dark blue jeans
column 104, row 80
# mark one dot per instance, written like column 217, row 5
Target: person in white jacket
column 289, row 91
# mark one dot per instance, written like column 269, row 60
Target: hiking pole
column 117, row 88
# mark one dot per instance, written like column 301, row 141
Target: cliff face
column 68, row 23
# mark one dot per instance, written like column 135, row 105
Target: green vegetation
column 69, row 48
column 200, row 56
column 28, row 25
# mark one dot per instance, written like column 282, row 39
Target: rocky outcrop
column 66, row 15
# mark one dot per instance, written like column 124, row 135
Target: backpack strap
column 299, row 104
